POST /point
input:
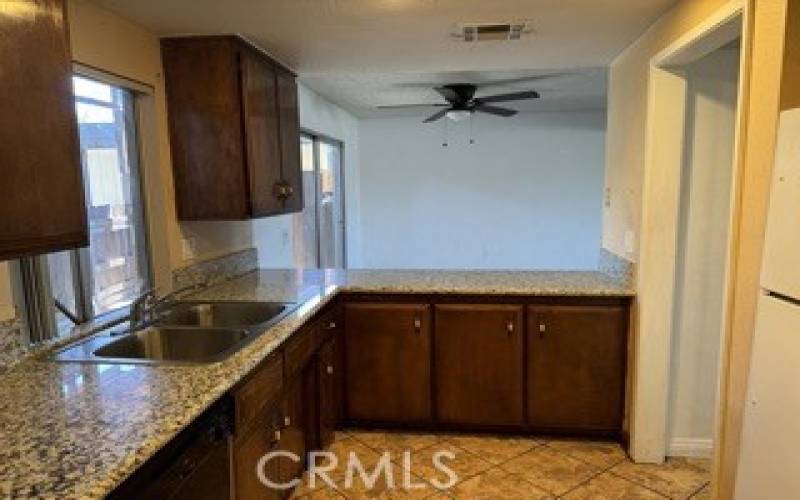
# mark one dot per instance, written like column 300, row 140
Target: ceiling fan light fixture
column 458, row 115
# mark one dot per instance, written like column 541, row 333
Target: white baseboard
column 690, row 447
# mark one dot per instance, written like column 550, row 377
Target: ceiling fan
column 461, row 102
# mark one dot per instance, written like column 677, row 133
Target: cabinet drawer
column 260, row 389
column 299, row 349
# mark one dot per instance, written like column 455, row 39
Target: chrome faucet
column 145, row 307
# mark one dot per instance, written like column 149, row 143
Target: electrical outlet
column 189, row 248
column 630, row 241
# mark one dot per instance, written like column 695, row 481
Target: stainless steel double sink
column 183, row 332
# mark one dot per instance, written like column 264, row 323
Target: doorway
column 318, row 231
column 691, row 177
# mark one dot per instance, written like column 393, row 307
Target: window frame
column 316, row 139
column 33, row 282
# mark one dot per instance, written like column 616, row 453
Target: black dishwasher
column 195, row 465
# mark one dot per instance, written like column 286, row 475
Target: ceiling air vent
column 491, row 31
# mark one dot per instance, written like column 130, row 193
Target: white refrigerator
column 769, row 461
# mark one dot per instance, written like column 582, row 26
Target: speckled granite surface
column 77, row 430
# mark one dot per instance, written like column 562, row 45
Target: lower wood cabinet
column 388, row 363
column 295, row 433
column 248, row 449
column 329, row 392
column 576, row 367
column 479, row 364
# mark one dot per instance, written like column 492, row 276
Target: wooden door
column 291, row 169
column 328, row 376
column 42, row 206
column 248, row 450
column 479, row 364
column 576, row 367
column 260, row 108
column 388, row 362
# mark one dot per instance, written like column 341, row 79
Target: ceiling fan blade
column 402, row 106
column 522, row 80
column 494, row 110
column 438, row 116
column 514, row 96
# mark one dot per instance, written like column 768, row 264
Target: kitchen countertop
column 76, row 430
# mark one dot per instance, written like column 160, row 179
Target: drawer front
column 299, row 349
column 261, row 388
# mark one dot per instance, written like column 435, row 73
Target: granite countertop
column 76, row 430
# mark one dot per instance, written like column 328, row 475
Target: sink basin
column 174, row 344
column 183, row 332
column 221, row 314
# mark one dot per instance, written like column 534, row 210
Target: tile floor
column 490, row 467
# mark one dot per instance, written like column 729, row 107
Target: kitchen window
column 319, row 229
column 71, row 287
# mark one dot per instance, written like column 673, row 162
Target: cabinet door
column 248, row 450
column 41, row 193
column 201, row 76
column 328, row 392
column 290, row 141
column 259, row 96
column 576, row 367
column 388, row 362
column 294, row 434
column 479, row 365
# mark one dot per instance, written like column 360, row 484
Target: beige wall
column 627, row 105
column 105, row 41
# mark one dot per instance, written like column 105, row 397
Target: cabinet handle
column 331, row 326
column 276, row 437
column 287, row 421
column 417, row 325
column 289, row 190
column 510, row 326
column 542, row 329
column 329, row 369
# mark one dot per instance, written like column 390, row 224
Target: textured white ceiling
column 341, row 46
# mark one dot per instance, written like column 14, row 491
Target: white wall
column 527, row 195
column 700, row 272
column 273, row 236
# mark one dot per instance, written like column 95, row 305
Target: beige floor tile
column 318, row 494
column 598, row 453
column 610, row 487
column 464, row 464
column 492, row 448
column 551, row 470
column 383, row 487
column 497, row 484
column 676, row 478
column 395, row 442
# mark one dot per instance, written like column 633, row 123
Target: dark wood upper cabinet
column 42, row 206
column 234, row 130
column 576, row 367
column 387, row 363
column 479, row 364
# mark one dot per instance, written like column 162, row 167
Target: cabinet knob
column 289, row 190
column 510, row 327
column 329, row 369
column 331, row 326
column 542, row 329
column 417, row 325
column 287, row 421
column 276, row 437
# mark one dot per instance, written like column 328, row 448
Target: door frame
column 656, row 283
